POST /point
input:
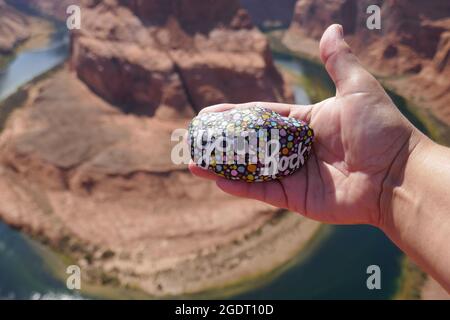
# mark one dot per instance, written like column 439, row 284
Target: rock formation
column 269, row 13
column 177, row 58
column 412, row 47
column 85, row 164
column 13, row 28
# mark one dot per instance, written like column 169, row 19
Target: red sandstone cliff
column 411, row 49
column 85, row 163
column 177, row 56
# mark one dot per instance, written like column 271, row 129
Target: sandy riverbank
column 40, row 32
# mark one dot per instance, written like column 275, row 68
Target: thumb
column 342, row 65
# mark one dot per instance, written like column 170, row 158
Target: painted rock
column 253, row 144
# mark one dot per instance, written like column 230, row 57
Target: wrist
column 400, row 198
column 417, row 217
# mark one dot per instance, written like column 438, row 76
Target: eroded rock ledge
column 168, row 58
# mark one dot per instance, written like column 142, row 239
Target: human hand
column 369, row 165
column 362, row 143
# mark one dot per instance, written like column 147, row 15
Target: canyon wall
column 174, row 59
column 411, row 49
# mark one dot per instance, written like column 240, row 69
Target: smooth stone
column 253, row 144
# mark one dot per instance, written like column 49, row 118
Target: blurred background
column 86, row 117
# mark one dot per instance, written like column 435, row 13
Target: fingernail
column 340, row 31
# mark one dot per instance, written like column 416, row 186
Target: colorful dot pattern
column 292, row 135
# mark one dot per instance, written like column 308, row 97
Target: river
column 24, row 273
column 30, row 64
column 333, row 266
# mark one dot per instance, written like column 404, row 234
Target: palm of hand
column 359, row 137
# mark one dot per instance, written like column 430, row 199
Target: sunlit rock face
column 170, row 58
column 413, row 41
